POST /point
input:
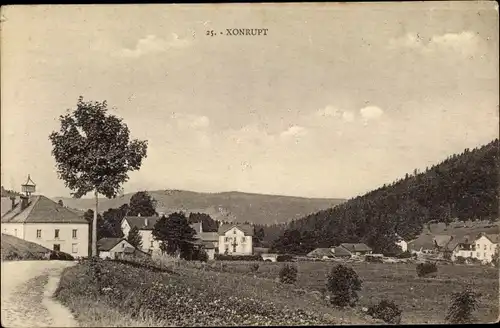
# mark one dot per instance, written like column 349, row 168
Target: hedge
column 223, row 257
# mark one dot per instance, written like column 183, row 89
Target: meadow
column 234, row 293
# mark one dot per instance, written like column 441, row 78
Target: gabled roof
column 321, row 252
column 106, row 244
column 209, row 236
column 140, row 222
column 493, row 238
column 341, row 251
column 356, row 247
column 41, row 209
column 442, row 240
column 246, row 228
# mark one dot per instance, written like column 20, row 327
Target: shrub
column 199, row 255
column 424, row 269
column 254, row 267
column 460, row 259
column 343, row 284
column 284, row 258
column 462, row 305
column 494, row 258
column 224, row 257
column 404, row 255
column 288, row 274
column 61, row 256
column 386, row 310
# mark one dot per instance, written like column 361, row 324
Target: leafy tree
column 111, row 221
column 60, row 202
column 462, row 306
column 207, row 223
column 343, row 283
column 142, row 203
column 258, row 236
column 134, row 237
column 94, row 153
column 175, row 235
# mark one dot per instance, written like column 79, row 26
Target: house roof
column 41, row 209
column 493, row 238
column 196, row 226
column 106, row 244
column 261, row 250
column 209, row 236
column 356, row 247
column 442, row 240
column 246, row 228
column 6, row 204
column 321, row 252
column 341, row 251
column 142, row 222
column 208, row 245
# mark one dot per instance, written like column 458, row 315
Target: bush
column 343, row 284
column 424, row 269
column 61, row 256
column 288, row 274
column 404, row 255
column 284, row 258
column 254, row 267
column 199, row 255
column 223, row 257
column 386, row 310
column 462, row 305
column 460, row 260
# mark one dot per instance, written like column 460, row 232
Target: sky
column 336, row 99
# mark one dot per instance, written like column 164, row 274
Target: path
column 27, row 289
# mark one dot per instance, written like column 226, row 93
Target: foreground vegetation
column 16, row 249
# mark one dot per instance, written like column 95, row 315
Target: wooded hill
column 464, row 186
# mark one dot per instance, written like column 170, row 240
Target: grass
column 423, row 300
column 231, row 293
column 14, row 248
column 194, row 297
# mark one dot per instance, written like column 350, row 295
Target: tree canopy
column 207, row 223
column 142, row 203
column 175, row 235
column 134, row 238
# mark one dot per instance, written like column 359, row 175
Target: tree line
column 462, row 187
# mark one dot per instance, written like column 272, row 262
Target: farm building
column 341, row 252
column 321, row 253
column 486, row 245
column 145, row 226
column 114, row 248
column 357, row 248
column 208, row 240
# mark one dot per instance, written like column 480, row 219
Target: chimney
column 13, row 200
column 24, row 202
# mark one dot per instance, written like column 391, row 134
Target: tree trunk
column 94, row 226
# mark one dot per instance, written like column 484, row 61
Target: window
column 74, row 248
column 74, row 234
column 484, row 254
column 243, row 239
column 57, row 247
column 226, row 239
column 56, row 233
column 39, row 233
column 478, row 254
column 485, row 247
column 470, row 254
column 152, row 243
column 123, row 245
column 234, row 231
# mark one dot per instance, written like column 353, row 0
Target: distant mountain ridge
column 230, row 206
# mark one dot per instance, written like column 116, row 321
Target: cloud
column 249, row 134
column 371, row 112
column 464, row 43
column 348, row 116
column 191, row 121
column 294, row 131
column 152, row 44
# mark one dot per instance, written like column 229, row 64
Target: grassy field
column 13, row 248
column 190, row 297
column 422, row 300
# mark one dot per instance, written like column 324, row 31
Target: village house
column 40, row 220
column 486, row 245
column 321, row 253
column 464, row 247
column 209, row 241
column 114, row 248
column 341, row 252
column 145, row 225
column 236, row 239
column 357, row 249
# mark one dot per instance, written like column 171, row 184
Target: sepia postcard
column 250, row 164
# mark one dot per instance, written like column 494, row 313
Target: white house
column 114, row 247
column 208, row 240
column 236, row 239
column 43, row 221
column 485, row 246
column 401, row 243
column 145, row 224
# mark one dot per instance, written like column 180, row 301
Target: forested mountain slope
column 464, row 186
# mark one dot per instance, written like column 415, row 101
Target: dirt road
column 27, row 289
